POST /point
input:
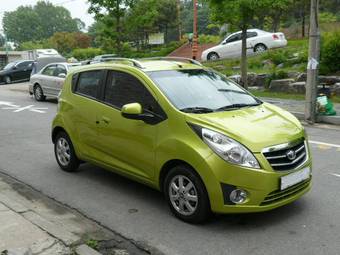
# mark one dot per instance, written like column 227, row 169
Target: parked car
column 102, row 58
column 49, row 81
column 41, row 62
column 257, row 41
column 16, row 71
column 185, row 130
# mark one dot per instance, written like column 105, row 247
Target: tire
column 64, row 153
column 38, row 93
column 213, row 56
column 8, row 80
column 190, row 205
column 260, row 48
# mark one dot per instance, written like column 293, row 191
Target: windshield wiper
column 197, row 110
column 236, row 106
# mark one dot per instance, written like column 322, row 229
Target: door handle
column 106, row 120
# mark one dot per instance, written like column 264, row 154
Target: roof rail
column 133, row 61
column 180, row 59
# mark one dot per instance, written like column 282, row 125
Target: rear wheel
column 186, row 195
column 64, row 153
column 213, row 56
column 8, row 80
column 38, row 93
column 260, row 48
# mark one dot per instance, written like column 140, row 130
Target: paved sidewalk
column 32, row 224
column 297, row 107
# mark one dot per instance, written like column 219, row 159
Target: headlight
column 229, row 149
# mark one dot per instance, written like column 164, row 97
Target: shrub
column 202, row 39
column 89, row 53
column 330, row 53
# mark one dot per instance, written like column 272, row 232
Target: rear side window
column 251, row 34
column 49, row 70
column 123, row 88
column 88, row 83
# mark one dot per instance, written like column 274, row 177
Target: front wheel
column 213, row 56
column 64, row 153
column 187, row 195
column 8, row 80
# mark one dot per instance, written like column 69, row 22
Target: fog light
column 238, row 196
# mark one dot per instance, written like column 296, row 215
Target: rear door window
column 89, row 83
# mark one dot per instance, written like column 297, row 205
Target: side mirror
column 62, row 75
column 134, row 111
column 14, row 67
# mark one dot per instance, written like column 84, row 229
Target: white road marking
column 326, row 144
column 18, row 108
column 337, row 175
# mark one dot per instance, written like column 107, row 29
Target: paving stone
column 13, row 204
column 55, row 230
column 16, row 232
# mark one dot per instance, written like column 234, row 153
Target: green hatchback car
column 185, row 130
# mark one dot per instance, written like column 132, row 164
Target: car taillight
column 275, row 37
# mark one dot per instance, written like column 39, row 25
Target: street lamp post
column 195, row 39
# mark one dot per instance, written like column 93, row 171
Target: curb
column 334, row 120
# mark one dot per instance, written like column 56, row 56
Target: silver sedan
column 49, row 81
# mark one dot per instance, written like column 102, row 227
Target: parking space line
column 337, row 175
column 325, row 144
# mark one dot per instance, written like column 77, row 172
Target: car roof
column 148, row 65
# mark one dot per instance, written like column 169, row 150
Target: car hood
column 3, row 72
column 255, row 127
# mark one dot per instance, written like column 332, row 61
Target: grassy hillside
column 291, row 58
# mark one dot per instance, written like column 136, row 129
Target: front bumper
column 261, row 185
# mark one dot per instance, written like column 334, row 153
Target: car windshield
column 201, row 91
column 10, row 65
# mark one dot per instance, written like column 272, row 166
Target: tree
column 34, row 23
column 65, row 42
column 115, row 9
column 2, row 40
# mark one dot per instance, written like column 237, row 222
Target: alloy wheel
column 183, row 195
column 63, row 151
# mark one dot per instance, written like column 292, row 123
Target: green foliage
column 204, row 22
column 155, row 51
column 209, row 39
column 92, row 243
column 327, row 17
column 36, row 23
column 88, row 53
column 34, row 45
column 330, row 53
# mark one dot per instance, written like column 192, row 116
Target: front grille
column 279, row 195
column 280, row 160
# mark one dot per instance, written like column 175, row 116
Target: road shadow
column 219, row 223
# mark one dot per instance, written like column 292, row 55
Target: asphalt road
column 311, row 225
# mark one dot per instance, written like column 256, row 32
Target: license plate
column 294, row 178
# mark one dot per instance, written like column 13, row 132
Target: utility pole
column 313, row 63
column 195, row 39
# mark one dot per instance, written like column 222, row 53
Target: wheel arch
column 260, row 43
column 171, row 164
column 212, row 52
column 55, row 132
